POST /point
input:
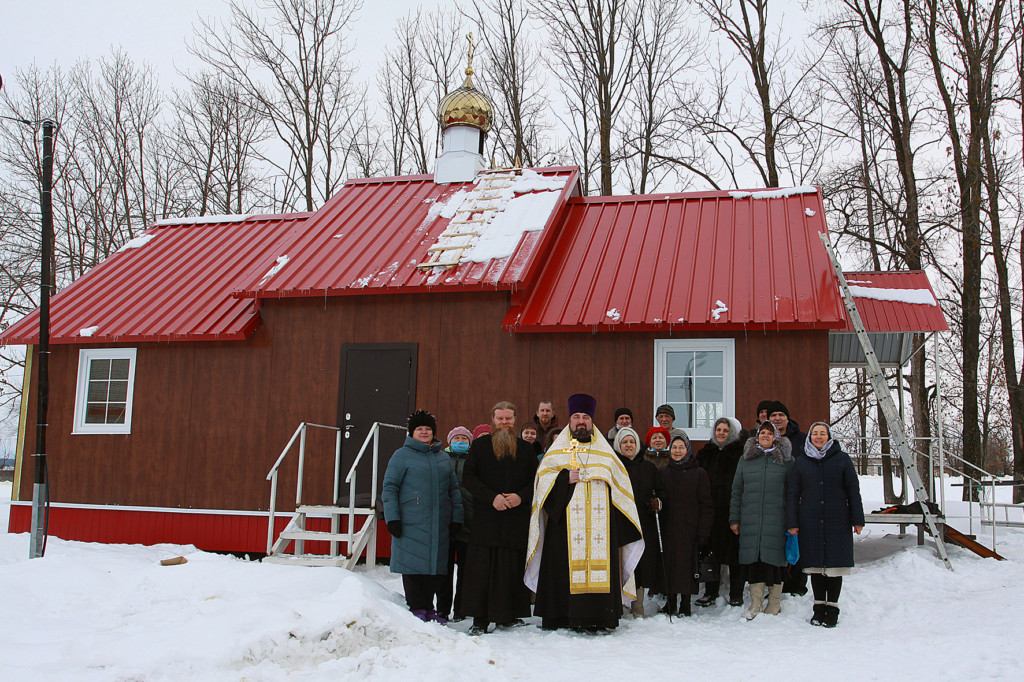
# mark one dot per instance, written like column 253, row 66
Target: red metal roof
column 371, row 235
column 665, row 261
column 881, row 316
column 177, row 286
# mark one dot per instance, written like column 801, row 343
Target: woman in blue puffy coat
column 824, row 510
column 422, row 506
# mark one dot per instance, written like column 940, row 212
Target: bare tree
column 966, row 47
column 596, row 63
column 291, row 60
column 218, row 133
column 510, row 75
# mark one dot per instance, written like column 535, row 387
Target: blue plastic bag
column 792, row 549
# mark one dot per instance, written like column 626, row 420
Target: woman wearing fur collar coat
column 757, row 513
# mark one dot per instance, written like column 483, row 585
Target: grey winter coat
column 824, row 503
column 421, row 490
column 758, row 502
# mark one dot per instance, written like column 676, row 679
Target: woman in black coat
column 824, row 509
column 643, row 476
column 719, row 458
column 685, row 521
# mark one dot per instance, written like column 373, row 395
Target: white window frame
column 85, row 357
column 727, row 346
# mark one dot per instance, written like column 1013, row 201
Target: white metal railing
column 980, row 511
column 368, row 534
column 300, row 433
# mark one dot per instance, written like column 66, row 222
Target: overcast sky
column 155, row 31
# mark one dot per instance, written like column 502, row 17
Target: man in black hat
column 665, row 415
column 623, row 418
column 585, row 537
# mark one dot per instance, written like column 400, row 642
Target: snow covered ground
column 112, row 612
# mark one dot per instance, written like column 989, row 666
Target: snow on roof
column 774, row 193
column 913, row 296
column 203, row 220
column 136, row 243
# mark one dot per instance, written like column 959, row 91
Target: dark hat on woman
column 621, row 411
column 422, row 418
column 777, row 406
column 666, row 409
column 764, row 405
column 581, row 402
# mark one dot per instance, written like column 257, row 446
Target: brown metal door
column 378, row 384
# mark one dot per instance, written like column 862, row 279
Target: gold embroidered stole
column 604, row 483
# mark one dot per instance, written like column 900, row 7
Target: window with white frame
column 697, row 377
column 103, row 402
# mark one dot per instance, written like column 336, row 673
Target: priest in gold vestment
column 585, row 538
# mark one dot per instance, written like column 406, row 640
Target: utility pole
column 41, row 487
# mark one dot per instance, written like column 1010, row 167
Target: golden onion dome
column 466, row 106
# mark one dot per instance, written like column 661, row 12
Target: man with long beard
column 499, row 474
column 585, row 537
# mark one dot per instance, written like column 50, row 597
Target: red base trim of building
column 210, row 530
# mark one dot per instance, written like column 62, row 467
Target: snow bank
column 204, row 220
column 96, row 612
column 88, row 331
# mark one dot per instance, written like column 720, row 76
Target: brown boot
column 756, row 600
column 774, row 606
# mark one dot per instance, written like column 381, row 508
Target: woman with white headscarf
column 824, row 510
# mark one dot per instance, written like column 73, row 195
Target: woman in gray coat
column 757, row 513
column 421, row 501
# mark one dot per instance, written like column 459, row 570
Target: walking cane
column 661, row 550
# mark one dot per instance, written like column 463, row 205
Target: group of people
column 582, row 522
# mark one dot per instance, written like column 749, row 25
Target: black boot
column 684, row 605
column 710, row 595
column 818, row 618
column 831, row 616
column 670, row 605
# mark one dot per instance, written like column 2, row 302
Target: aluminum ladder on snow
column 886, row 403
column 355, row 539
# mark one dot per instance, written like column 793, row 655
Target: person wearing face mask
column 757, row 514
column 459, row 440
column 719, row 458
column 824, row 510
column 686, row 522
column 643, row 476
column 657, row 446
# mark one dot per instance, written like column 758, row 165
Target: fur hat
column 422, row 418
column 623, row 411
column 666, row 409
column 481, row 430
column 657, row 429
column 581, row 402
column 460, row 431
column 777, row 406
column 623, row 432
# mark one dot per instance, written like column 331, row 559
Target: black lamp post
column 40, row 488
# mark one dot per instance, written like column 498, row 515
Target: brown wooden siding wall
column 210, row 419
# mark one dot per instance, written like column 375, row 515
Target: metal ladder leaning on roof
column 885, row 402
column 355, row 540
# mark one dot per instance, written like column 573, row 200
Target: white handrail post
column 371, row 545
column 300, row 545
column 270, row 516
column 352, row 507
column 938, row 426
column 335, row 519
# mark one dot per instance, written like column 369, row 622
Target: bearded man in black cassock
column 585, row 537
column 499, row 473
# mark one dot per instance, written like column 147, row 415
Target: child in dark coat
column 686, row 517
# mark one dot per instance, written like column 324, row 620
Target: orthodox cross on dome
column 469, row 53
